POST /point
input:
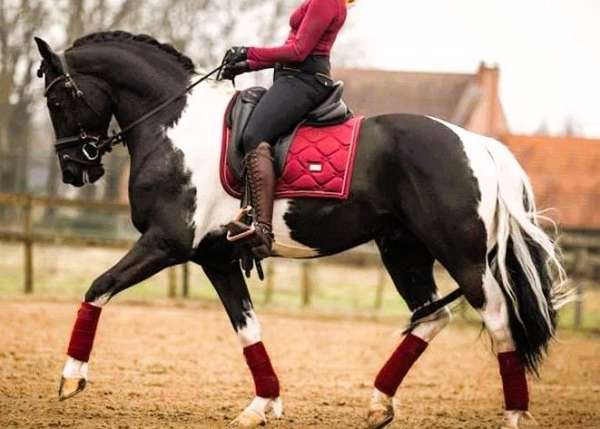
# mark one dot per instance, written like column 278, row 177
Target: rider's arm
column 318, row 17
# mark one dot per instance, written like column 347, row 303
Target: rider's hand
column 235, row 55
column 232, row 70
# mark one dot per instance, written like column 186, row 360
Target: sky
column 548, row 51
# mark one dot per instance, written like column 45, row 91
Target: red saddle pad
column 319, row 162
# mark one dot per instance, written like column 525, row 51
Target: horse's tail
column 525, row 261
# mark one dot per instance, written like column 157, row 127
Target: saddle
column 332, row 111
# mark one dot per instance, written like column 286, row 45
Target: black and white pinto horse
column 424, row 190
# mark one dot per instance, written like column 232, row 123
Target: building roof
column 373, row 92
column 564, row 173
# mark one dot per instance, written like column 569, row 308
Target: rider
column 301, row 82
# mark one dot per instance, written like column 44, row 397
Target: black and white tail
column 524, row 261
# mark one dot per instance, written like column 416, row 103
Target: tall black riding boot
column 260, row 174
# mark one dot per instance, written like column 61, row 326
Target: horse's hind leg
column 495, row 314
column 411, row 267
column 142, row 261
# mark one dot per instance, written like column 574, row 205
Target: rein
column 93, row 147
column 118, row 138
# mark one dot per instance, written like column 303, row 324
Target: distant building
column 468, row 100
column 564, row 173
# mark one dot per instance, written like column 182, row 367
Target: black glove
column 230, row 71
column 235, row 55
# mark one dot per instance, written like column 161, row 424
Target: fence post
column 578, row 316
column 28, row 230
column 379, row 288
column 305, row 283
column 172, row 282
column 185, row 291
column 269, row 282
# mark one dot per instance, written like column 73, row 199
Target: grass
column 66, row 273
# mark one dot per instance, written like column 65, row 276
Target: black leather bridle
column 94, row 146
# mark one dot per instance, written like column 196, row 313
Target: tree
column 202, row 28
column 18, row 21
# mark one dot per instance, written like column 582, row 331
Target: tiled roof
column 373, row 92
column 565, row 173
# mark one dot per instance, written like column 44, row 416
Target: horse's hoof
column 380, row 418
column 248, row 419
column 70, row 387
column 512, row 419
column 381, row 410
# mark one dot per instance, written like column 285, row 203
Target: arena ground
column 167, row 366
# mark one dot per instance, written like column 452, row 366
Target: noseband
column 94, row 146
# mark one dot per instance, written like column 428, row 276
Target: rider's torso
column 327, row 39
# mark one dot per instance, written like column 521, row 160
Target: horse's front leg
column 147, row 257
column 229, row 282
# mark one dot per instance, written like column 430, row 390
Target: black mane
column 124, row 36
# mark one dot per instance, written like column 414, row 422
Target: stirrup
column 238, row 230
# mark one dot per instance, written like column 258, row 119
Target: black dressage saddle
column 332, row 111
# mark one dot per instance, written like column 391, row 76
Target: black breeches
column 292, row 96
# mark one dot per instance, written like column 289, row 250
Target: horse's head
column 80, row 108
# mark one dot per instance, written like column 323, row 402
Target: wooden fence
column 582, row 251
column 28, row 237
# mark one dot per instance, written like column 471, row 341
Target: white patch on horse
column 113, row 126
column 250, row 333
column 101, row 301
column 433, row 324
column 284, row 245
column 75, row 368
column 198, row 134
column 495, row 314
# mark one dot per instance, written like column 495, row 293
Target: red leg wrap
column 82, row 337
column 265, row 379
column 514, row 382
column 397, row 366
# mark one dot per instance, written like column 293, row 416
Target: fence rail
column 29, row 238
column 582, row 251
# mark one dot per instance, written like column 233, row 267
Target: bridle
column 94, row 146
column 90, row 144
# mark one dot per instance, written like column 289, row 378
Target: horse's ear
column 50, row 58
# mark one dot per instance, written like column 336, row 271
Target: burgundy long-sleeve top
column 315, row 25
